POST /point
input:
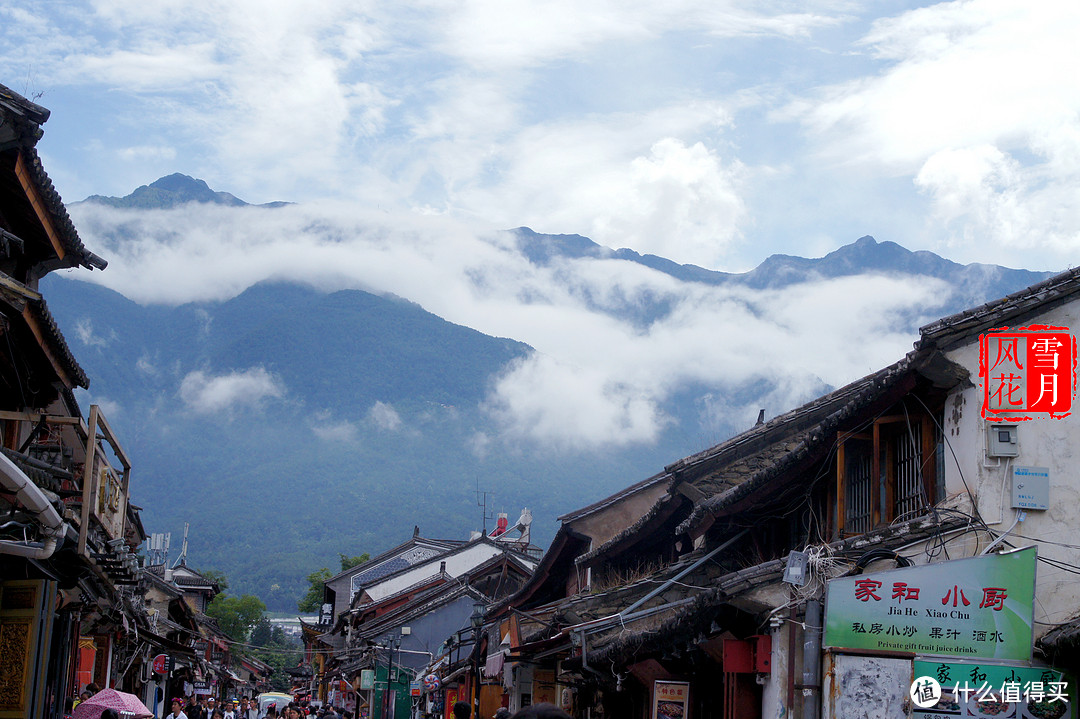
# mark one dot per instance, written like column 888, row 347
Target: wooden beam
column 891, row 418
column 36, row 417
column 841, row 488
column 890, row 480
column 89, row 477
column 23, row 173
column 875, row 479
column 110, row 437
column 10, row 283
column 35, row 328
column 691, row 492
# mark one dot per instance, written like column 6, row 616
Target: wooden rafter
column 32, row 194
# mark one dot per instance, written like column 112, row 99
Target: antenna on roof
column 482, row 501
column 157, row 549
column 182, row 559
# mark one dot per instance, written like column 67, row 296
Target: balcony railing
column 67, row 456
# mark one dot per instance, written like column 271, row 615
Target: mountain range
column 287, row 423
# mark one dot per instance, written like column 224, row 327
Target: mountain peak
column 172, row 191
column 178, row 182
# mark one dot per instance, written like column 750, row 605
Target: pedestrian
column 462, row 710
column 194, row 710
column 230, row 710
column 541, row 711
column 217, row 713
column 247, row 711
column 502, row 713
column 178, row 709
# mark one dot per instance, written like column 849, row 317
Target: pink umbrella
column 128, row 706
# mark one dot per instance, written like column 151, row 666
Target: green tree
column 260, row 634
column 215, row 576
column 236, row 615
column 311, row 601
column 313, row 598
column 348, row 562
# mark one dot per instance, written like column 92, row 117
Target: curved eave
column 50, row 209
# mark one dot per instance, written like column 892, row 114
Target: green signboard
column 996, row 691
column 977, row 608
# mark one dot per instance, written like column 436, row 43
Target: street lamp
column 477, row 620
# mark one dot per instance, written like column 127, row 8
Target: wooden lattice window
column 887, row 473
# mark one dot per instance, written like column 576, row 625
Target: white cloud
column 109, row 408
column 84, row 330
column 524, row 33
column 327, row 429
column 145, row 365
column 209, row 394
column 385, row 416
column 573, row 407
column 597, row 378
column 977, row 92
column 141, row 153
column 642, row 181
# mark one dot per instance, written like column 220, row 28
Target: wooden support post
column 89, row 478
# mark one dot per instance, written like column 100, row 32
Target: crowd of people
column 206, row 707
column 462, row 710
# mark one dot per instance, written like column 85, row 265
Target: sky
column 714, row 133
column 710, row 132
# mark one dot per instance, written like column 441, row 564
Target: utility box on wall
column 1002, row 440
column 1031, row 487
column 747, row 656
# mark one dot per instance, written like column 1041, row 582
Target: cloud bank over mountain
column 614, row 340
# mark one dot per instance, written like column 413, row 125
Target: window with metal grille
column 905, row 461
column 859, row 507
column 887, row 472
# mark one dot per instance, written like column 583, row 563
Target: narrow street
column 902, row 545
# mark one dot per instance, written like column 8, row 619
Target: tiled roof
column 949, row 331
column 414, row 541
column 68, row 235
column 58, row 344
column 382, row 570
column 795, row 437
column 694, row 617
column 607, row 501
column 20, row 128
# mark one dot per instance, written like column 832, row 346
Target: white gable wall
column 1043, row 442
column 456, row 565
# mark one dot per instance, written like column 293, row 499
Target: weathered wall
column 866, row 687
column 1043, row 442
column 609, row 521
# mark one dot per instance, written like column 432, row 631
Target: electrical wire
column 945, row 436
column 1020, row 515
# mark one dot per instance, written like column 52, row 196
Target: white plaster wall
column 1043, row 442
column 456, row 565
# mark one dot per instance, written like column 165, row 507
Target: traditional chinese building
column 69, row 610
column 921, row 518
